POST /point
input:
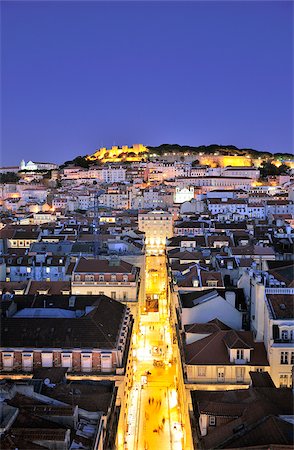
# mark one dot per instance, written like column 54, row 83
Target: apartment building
column 217, row 355
column 157, row 226
column 272, row 321
column 84, row 334
column 259, row 417
column 239, row 172
column 40, row 267
column 115, row 278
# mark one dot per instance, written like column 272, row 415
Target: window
column 125, row 296
column 101, row 292
column 113, row 277
column 77, row 277
column 47, row 359
column 284, row 358
column 86, row 362
column 89, row 277
column 113, row 295
column 47, row 269
column 240, row 373
column 125, row 278
column 212, row 283
column 240, row 354
column 292, row 358
column 7, row 360
column 212, row 421
column 106, row 362
column 284, row 335
column 66, row 360
column 201, row 371
column 101, row 277
column 27, row 361
column 283, row 380
column 220, row 374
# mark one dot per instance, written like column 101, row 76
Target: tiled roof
column 256, row 424
column 210, row 327
column 102, row 266
column 252, row 250
column 283, row 273
column 91, row 396
column 262, row 380
column 51, row 287
column 211, row 276
column 98, row 329
column 213, row 350
column 221, row 409
column 282, row 305
column 233, row 339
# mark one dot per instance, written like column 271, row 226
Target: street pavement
column 153, row 412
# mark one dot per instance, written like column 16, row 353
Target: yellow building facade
column 117, row 154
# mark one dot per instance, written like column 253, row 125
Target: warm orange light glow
column 223, row 160
column 116, row 154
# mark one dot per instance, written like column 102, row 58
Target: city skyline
column 77, row 76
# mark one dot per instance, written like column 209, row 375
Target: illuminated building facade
column 117, row 154
column 157, row 226
column 184, row 195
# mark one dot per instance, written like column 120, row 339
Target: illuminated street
column 153, row 414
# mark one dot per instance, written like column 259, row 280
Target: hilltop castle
column 116, row 154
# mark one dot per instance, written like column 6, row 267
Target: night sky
column 80, row 75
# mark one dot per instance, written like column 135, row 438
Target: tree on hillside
column 269, row 169
column 81, row 162
column 9, row 177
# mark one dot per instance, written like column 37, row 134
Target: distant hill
column 227, row 150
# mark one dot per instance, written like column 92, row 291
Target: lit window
column 283, row 380
column 284, row 358
column 212, row 421
column 240, row 354
column 89, row 277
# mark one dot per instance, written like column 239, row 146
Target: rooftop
column 213, row 349
column 99, row 327
column 103, row 266
column 281, row 305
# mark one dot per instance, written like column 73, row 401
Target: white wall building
column 272, row 321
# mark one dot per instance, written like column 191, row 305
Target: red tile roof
column 213, row 350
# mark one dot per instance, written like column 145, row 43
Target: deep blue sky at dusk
column 79, row 75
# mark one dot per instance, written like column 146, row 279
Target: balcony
column 284, row 341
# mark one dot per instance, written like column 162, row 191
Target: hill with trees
column 225, row 150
